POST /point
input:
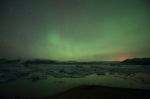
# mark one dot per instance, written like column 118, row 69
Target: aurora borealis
column 86, row 30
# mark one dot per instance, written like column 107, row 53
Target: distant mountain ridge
column 49, row 61
column 137, row 61
column 133, row 61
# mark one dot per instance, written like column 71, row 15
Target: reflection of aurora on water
column 56, row 78
column 53, row 85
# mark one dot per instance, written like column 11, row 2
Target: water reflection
column 53, row 85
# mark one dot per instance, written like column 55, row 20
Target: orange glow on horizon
column 121, row 57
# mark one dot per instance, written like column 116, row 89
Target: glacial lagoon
column 46, row 80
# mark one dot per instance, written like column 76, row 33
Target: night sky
column 83, row 30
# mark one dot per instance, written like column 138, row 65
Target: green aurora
column 89, row 30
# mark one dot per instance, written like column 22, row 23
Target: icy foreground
column 35, row 72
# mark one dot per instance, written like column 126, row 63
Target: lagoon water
column 53, row 85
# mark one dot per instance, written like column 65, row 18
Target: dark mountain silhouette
column 137, row 61
column 10, row 61
column 39, row 61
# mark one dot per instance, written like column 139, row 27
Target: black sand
column 102, row 92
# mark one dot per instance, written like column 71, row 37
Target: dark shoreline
column 101, row 92
column 94, row 92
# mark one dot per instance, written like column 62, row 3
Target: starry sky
column 83, row 30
